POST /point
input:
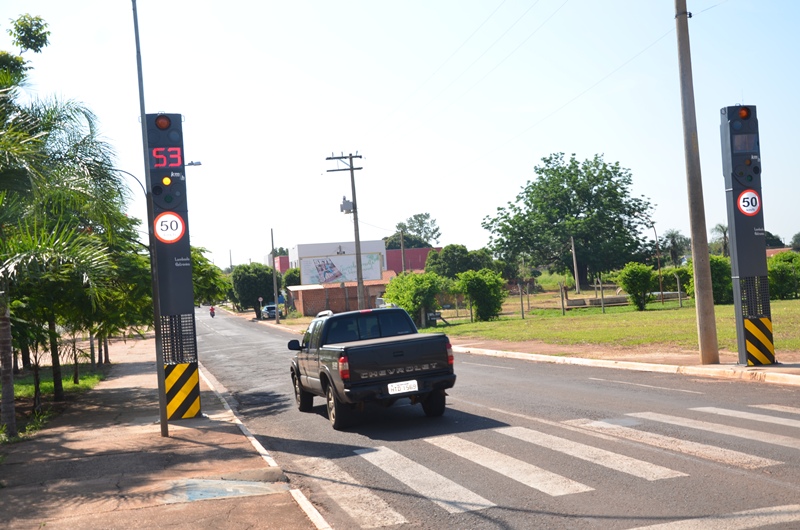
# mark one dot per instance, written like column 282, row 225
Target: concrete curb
column 725, row 371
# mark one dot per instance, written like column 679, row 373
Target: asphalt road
column 526, row 445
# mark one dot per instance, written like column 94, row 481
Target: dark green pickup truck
column 371, row 355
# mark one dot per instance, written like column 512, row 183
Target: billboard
column 339, row 268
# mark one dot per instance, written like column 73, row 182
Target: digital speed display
column 166, row 157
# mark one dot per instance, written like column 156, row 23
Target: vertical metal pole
column 575, row 266
column 706, row 323
column 274, row 279
column 359, row 272
column 162, row 387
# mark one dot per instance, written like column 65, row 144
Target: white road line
column 601, row 457
column 748, row 434
column 523, row 472
column 366, row 508
column 488, row 365
column 786, row 422
column 645, row 386
column 708, row 452
column 758, row 518
column 778, row 408
column 438, row 489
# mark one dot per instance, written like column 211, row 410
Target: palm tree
column 56, row 189
column 675, row 244
column 721, row 231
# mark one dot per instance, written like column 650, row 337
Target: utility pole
column 575, row 265
column 359, row 272
column 706, row 323
column 160, row 375
column 274, row 278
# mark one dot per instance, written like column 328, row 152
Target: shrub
column 637, row 280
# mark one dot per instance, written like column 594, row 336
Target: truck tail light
column 344, row 368
column 449, row 354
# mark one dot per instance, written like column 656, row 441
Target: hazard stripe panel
column 182, row 382
column 758, row 341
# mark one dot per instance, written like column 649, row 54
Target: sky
column 450, row 103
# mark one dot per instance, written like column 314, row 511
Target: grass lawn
column 28, row 420
column 661, row 324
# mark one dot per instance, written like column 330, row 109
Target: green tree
column 29, row 33
column 400, row 240
column 720, row 236
column 773, row 241
column 449, row 261
column 210, row 284
column 416, row 293
column 637, row 280
column 587, row 201
column 795, row 242
column 674, row 244
column 422, row 226
column 485, row 290
column 251, row 282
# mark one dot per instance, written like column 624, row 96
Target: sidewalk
column 104, row 464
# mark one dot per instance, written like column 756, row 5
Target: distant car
column 268, row 312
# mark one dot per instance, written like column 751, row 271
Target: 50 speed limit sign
column 169, row 227
column 749, row 203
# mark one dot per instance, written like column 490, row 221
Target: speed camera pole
column 706, row 323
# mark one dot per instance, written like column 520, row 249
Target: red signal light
column 163, row 122
column 744, row 113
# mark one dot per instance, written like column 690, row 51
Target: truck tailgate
column 395, row 358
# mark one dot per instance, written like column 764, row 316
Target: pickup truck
column 373, row 355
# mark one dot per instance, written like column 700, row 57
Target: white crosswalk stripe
column 523, row 472
column 786, row 422
column 739, row 432
column 437, row 488
column 369, row 510
column 707, row 452
column 736, row 521
column 624, row 464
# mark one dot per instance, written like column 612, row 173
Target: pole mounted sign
column 170, row 224
column 741, row 165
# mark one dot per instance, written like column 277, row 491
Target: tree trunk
column 91, row 350
column 37, row 388
column 26, row 355
column 99, row 349
column 105, row 350
column 58, row 384
column 8, row 414
column 76, row 378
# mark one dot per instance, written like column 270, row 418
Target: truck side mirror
column 294, row 345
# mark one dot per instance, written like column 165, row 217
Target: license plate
column 404, row 386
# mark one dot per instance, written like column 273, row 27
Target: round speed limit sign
column 749, row 203
column 169, row 227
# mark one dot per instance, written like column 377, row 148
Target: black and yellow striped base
column 182, row 382
column 758, row 341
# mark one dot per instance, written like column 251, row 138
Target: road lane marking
column 366, row 508
column 645, row 386
column 438, row 489
column 747, row 434
column 523, row 472
column 786, row 422
column 757, row 518
column 778, row 408
column 708, row 452
column 595, row 455
column 488, row 365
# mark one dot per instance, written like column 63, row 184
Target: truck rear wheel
column 304, row 400
column 338, row 413
column 434, row 404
